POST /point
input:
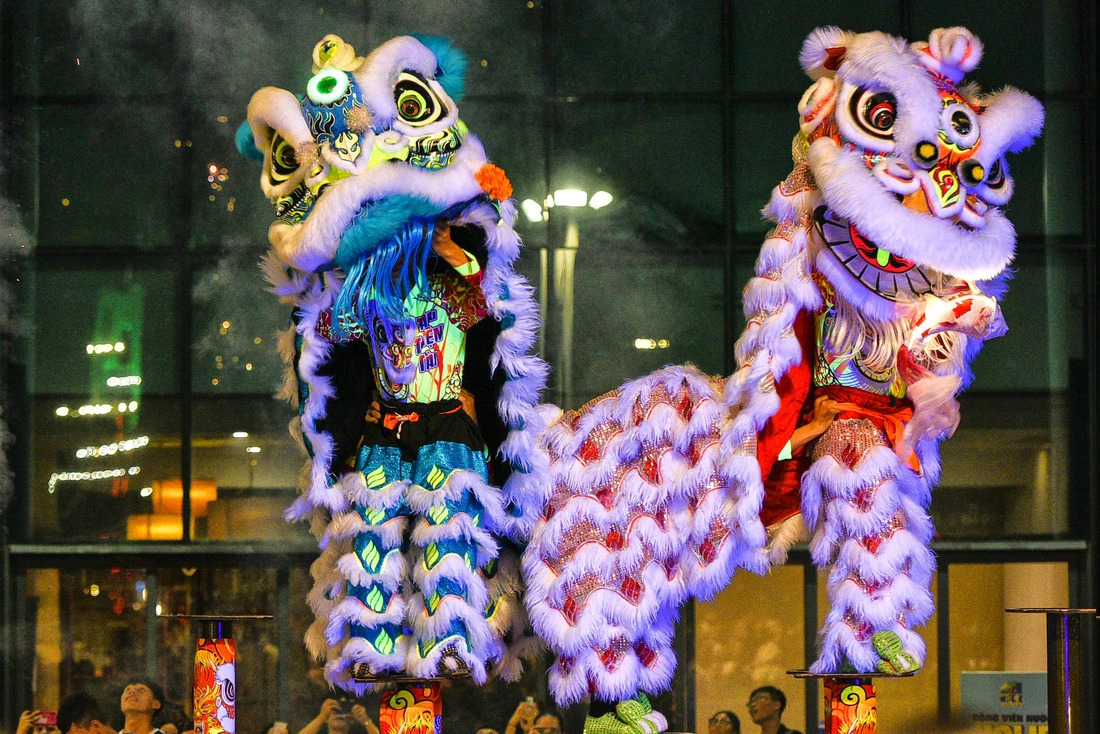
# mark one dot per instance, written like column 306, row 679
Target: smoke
column 205, row 49
column 15, row 244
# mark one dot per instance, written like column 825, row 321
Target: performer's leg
column 875, row 538
column 373, row 614
column 448, row 603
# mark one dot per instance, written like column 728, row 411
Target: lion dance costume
column 874, row 291
column 872, row 294
column 372, row 175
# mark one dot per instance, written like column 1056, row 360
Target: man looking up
column 766, row 706
column 141, row 700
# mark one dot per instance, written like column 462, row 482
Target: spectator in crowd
column 29, row 724
column 333, row 719
column 487, row 730
column 724, row 722
column 523, row 718
column 82, row 714
column 547, row 722
column 141, row 702
column 766, row 706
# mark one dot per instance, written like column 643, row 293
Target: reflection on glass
column 746, row 637
column 243, row 483
column 88, row 632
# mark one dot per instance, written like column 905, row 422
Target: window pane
column 88, row 629
column 762, row 136
column 242, row 484
column 1008, row 469
column 749, row 636
column 108, row 175
column 105, row 416
column 631, row 316
column 605, row 48
column 662, row 161
column 767, row 61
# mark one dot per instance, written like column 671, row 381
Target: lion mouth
column 881, row 271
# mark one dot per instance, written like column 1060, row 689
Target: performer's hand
column 374, row 412
column 825, row 410
column 445, row 247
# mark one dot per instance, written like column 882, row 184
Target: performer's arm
column 825, row 410
column 452, row 254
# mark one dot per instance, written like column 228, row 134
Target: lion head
column 364, row 130
column 908, row 162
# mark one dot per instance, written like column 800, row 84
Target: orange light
column 168, row 496
column 154, row 527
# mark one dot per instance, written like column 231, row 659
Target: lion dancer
column 871, row 296
column 420, row 475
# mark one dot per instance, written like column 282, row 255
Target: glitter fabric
column 848, row 441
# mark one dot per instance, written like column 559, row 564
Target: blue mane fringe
column 378, row 282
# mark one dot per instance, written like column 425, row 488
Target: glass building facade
column 151, row 463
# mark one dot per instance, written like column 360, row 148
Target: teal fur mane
column 452, row 65
column 378, row 222
column 246, row 144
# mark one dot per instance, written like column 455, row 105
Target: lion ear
column 823, row 50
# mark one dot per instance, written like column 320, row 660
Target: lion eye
column 996, row 177
column 329, row 87
column 875, row 112
column 417, row 104
column 283, row 160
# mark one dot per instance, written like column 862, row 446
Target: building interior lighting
column 110, row 449
column 570, row 197
column 105, row 348
column 600, row 199
column 532, row 210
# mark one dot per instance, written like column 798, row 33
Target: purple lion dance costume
column 394, row 243
column 872, row 294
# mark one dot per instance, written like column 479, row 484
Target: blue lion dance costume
column 394, row 243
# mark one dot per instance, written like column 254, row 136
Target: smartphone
column 46, row 718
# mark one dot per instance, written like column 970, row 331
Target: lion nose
column 971, row 173
column 925, row 153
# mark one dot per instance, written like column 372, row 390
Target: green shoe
column 895, row 660
column 632, row 716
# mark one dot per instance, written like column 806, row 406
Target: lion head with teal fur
column 371, row 143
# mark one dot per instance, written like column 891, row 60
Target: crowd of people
column 143, row 709
column 766, row 706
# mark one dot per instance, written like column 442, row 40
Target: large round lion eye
column 328, row 87
column 283, row 161
column 874, row 112
column 417, row 104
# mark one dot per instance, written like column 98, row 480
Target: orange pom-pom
column 494, row 182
